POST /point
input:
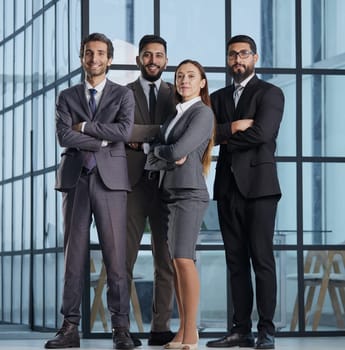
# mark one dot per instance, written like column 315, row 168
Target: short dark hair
column 242, row 39
column 151, row 38
column 97, row 37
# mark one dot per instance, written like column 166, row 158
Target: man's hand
column 135, row 145
column 241, row 125
column 77, row 127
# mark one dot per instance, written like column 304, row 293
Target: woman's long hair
column 205, row 98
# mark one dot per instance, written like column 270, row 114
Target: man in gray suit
column 93, row 121
column 153, row 104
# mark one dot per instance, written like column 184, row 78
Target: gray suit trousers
column 91, row 196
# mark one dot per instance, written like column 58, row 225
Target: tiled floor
column 37, row 342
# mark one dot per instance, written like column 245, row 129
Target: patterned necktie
column 237, row 93
column 89, row 158
column 152, row 102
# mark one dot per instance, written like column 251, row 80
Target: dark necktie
column 237, row 93
column 152, row 102
column 89, row 157
column 92, row 101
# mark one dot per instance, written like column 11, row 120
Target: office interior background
column 302, row 50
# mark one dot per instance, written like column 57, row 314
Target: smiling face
column 188, row 81
column 95, row 61
column 152, row 61
column 240, row 68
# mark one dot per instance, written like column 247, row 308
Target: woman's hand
column 181, row 161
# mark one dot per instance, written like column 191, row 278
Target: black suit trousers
column 90, row 196
column 247, row 227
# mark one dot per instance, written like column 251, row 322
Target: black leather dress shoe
column 136, row 340
column 264, row 341
column 160, row 338
column 234, row 339
column 122, row 339
column 66, row 337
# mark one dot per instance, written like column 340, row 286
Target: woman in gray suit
column 185, row 150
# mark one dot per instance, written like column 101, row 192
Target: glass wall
column 300, row 49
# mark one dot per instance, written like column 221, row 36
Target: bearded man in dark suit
column 144, row 202
column 247, row 191
column 93, row 121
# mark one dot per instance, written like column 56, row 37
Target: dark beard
column 238, row 76
column 150, row 77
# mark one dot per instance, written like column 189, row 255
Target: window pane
column 27, row 125
column 322, row 28
column 8, row 17
column 49, row 129
column 18, row 217
column 8, row 73
column 8, row 144
column 7, row 217
column 49, row 46
column 272, row 25
column 27, row 215
column 38, row 129
column 16, row 288
column 323, row 191
column 50, row 290
column 323, row 129
column 286, row 218
column 19, row 67
column 18, row 140
column 188, row 32
column 37, row 50
column 38, row 212
column 62, row 38
column 19, row 7
column 28, row 61
column 74, row 33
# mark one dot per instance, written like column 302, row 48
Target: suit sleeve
column 266, row 122
column 67, row 137
column 119, row 127
column 198, row 130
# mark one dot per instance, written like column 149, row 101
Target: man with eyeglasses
column 247, row 192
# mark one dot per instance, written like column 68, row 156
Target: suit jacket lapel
column 106, row 94
column 83, row 101
column 243, row 101
column 163, row 95
column 141, row 103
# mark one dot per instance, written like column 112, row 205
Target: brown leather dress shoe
column 122, row 339
column 66, row 337
column 234, row 339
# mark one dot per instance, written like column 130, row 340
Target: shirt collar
column 182, row 107
column 244, row 82
column 146, row 84
column 99, row 87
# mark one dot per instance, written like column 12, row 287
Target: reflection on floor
column 36, row 341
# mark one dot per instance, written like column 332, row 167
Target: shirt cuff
column 82, row 127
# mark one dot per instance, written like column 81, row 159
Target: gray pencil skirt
column 184, row 213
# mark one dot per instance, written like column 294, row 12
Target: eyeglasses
column 242, row 54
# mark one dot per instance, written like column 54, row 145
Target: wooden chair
column 334, row 282
column 98, row 282
column 314, row 266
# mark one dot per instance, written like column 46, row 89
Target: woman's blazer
column 189, row 137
